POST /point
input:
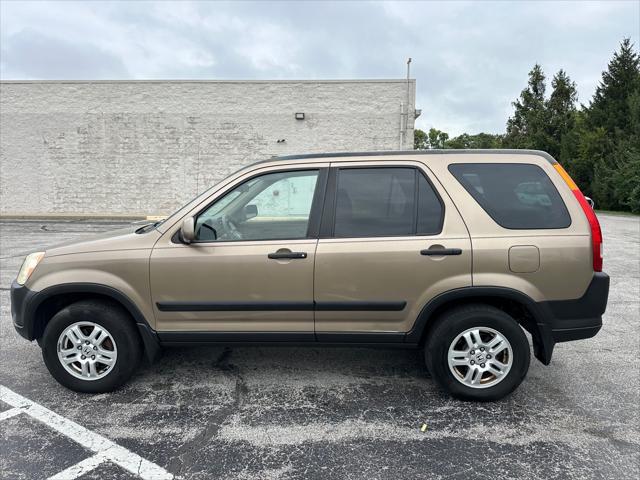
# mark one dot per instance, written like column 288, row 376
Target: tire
column 118, row 345
column 493, row 381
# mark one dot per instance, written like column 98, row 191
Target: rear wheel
column 477, row 352
column 91, row 346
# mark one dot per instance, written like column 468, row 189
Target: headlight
column 28, row 266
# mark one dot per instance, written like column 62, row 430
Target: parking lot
column 272, row 412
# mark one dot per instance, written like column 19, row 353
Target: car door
column 251, row 266
column 391, row 240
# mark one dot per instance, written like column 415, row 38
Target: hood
column 121, row 239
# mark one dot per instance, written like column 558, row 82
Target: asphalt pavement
column 325, row 413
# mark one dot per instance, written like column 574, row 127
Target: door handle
column 441, row 251
column 285, row 255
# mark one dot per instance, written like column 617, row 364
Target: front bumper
column 20, row 299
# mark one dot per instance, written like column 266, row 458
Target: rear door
column 391, row 240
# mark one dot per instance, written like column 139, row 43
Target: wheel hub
column 87, row 350
column 480, row 357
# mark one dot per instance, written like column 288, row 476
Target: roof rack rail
column 380, row 153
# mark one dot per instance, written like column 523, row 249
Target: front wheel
column 477, row 352
column 91, row 346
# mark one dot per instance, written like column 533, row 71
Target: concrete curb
column 73, row 216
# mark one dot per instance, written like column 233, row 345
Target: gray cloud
column 470, row 59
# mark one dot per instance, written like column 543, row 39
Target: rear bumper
column 567, row 320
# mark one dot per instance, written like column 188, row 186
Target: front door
column 391, row 239
column 251, row 266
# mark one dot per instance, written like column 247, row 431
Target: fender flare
column 148, row 335
column 539, row 329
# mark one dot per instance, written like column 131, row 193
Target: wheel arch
column 51, row 300
column 529, row 314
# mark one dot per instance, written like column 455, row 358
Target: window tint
column 274, row 206
column 516, row 196
column 377, row 202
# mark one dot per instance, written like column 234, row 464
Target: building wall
column 146, row 147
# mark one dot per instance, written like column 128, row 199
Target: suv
column 453, row 252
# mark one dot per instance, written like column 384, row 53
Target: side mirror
column 250, row 211
column 188, row 230
column 590, row 202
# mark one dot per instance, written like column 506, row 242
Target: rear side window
column 379, row 202
column 516, row 195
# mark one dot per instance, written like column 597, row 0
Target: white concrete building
column 146, row 147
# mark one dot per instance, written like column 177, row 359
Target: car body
column 373, row 248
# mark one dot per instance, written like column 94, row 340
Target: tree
column 608, row 146
column 420, row 140
column 434, row 139
column 480, row 140
column 609, row 107
column 527, row 127
column 561, row 113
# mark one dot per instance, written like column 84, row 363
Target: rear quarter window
column 515, row 195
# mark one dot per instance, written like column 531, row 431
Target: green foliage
column 598, row 144
column 426, row 141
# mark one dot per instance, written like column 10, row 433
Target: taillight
column 596, row 233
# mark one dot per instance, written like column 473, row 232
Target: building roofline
column 390, row 153
column 364, row 80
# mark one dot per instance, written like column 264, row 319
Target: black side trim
column 232, row 337
column 280, row 306
column 234, row 306
column 360, row 306
column 360, row 337
column 379, row 340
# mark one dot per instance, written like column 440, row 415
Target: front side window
column 274, row 206
column 386, row 201
column 516, row 195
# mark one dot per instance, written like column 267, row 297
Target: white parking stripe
column 12, row 412
column 80, row 468
column 88, row 439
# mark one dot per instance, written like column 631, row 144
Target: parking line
column 80, row 468
column 12, row 412
column 95, row 442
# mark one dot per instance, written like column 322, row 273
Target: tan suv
column 455, row 252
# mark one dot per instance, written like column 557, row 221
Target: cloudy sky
column 470, row 59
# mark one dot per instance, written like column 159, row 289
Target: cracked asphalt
column 334, row 413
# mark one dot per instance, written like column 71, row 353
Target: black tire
column 454, row 322
column 109, row 316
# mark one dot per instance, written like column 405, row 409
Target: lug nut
column 93, row 357
column 86, row 342
column 472, row 362
column 489, row 356
column 79, row 347
column 83, row 357
column 95, row 348
column 472, row 352
column 482, row 349
column 482, row 365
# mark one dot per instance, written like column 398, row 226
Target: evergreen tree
column 610, row 105
column 608, row 142
column 561, row 113
column 527, row 127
